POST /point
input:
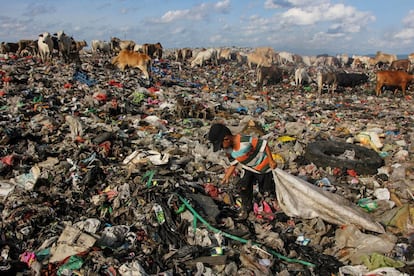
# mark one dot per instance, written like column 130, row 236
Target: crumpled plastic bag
column 27, row 180
column 75, row 126
column 113, row 236
column 90, row 225
column 399, row 220
column 375, row 260
column 132, row 269
column 354, row 244
column 362, row 270
column 369, row 138
column 5, row 188
column 141, row 157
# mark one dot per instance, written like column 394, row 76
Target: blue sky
column 305, row 27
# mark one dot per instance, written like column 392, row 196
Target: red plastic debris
column 79, row 139
column 101, row 97
column 211, row 190
column 8, row 160
column 67, row 85
column 337, row 171
column 105, row 147
column 152, row 89
column 6, row 79
column 115, row 83
column 352, row 173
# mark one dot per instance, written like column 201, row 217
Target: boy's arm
column 272, row 162
column 228, row 173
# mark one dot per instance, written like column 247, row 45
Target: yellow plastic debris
column 286, row 138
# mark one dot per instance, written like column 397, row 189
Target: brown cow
column 269, row 74
column 340, row 79
column 27, row 47
column 153, row 50
column 328, row 78
column 9, row 47
column 78, row 45
column 268, row 52
column 183, row 54
column 224, row 55
column 258, row 59
column 394, row 79
column 131, row 59
column 401, row 64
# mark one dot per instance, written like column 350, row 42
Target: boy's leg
column 267, row 184
column 246, row 190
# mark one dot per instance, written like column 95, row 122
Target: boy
column 254, row 156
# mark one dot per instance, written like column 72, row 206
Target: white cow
column 286, row 57
column 301, row 76
column 45, row 45
column 203, row 56
column 309, row 60
column 100, row 46
column 360, row 61
column 138, row 48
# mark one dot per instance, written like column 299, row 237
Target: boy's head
column 216, row 135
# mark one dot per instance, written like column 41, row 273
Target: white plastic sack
column 299, row 198
column 72, row 241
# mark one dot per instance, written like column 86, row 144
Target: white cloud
column 326, row 12
column 298, row 16
column 406, row 34
column 408, row 21
column 222, row 6
column 199, row 12
column 170, row 16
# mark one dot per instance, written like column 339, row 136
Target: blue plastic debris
column 242, row 110
column 83, row 77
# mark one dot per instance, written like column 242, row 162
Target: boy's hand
column 272, row 164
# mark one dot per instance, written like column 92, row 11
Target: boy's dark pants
column 246, row 183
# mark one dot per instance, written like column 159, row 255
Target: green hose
column 215, row 230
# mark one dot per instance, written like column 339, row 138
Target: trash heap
column 104, row 173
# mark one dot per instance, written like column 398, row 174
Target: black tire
column 326, row 154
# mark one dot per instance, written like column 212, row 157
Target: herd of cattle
column 270, row 66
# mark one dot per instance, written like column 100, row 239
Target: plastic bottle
column 216, row 251
column 159, row 213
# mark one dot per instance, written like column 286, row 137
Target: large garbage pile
column 103, row 173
